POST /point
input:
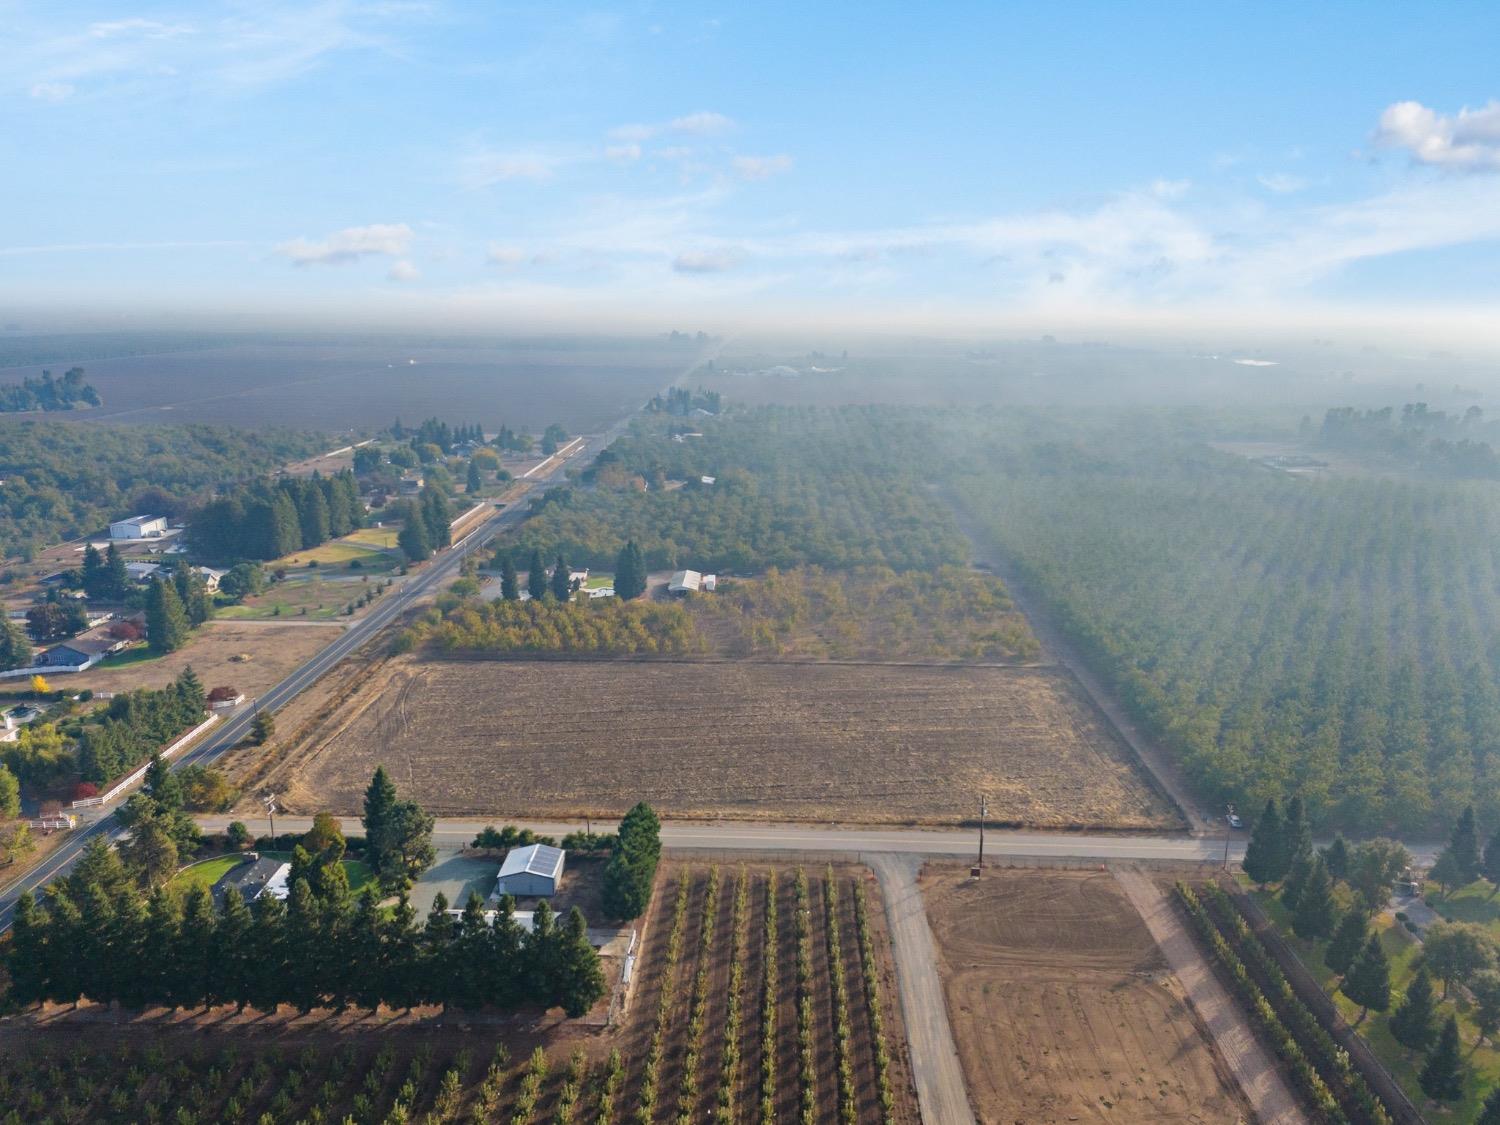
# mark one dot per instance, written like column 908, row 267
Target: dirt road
column 934, row 1057
column 1252, row 1066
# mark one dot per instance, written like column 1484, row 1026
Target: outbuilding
column 534, row 871
column 139, row 527
column 685, row 582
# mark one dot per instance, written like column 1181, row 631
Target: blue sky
column 955, row 165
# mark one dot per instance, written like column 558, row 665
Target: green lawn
column 205, row 874
column 373, row 537
column 1405, row 1065
column 357, row 869
column 599, row 581
column 336, row 552
column 1470, row 904
column 138, row 655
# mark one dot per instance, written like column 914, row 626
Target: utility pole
column 1228, row 812
column 269, row 800
column 984, row 809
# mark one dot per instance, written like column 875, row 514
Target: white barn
column 139, row 527
column 534, row 871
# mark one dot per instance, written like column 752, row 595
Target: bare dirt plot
column 274, row 651
column 1062, row 1007
column 865, row 743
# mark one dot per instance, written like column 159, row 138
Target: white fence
column 125, row 783
column 46, row 670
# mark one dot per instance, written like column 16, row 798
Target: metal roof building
column 685, row 582
column 531, row 872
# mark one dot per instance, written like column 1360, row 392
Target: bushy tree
column 398, row 834
column 1337, row 856
column 630, row 572
column 15, row 650
column 1464, row 844
column 1455, row 951
column 10, row 794
column 1315, row 913
column 1489, row 1113
column 413, row 539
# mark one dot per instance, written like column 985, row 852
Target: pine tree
column 1442, row 1076
column 1265, row 855
column 10, row 794
column 286, row 528
column 1347, row 941
column 312, row 515
column 233, row 952
column 119, row 577
column 1296, row 879
column 195, row 970
column 95, row 576
column 1314, row 918
column 510, row 588
column 166, row 620
column 268, row 940
column 474, row 482
column 630, row 572
column 263, row 727
column 413, row 539
column 1368, row 981
column 1489, row 1114
column 1336, row 855
column 1464, row 843
column 536, row 580
column 163, row 933
column 562, row 588
column 27, row 958
column 1412, row 1022
column 438, row 517
column 15, row 649
column 162, row 785
column 1448, row 870
column 1490, row 867
column 1298, row 830
column 579, row 979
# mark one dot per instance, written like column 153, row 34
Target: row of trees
column 112, row 944
column 136, row 724
column 1336, row 639
column 270, row 519
column 62, row 481
column 426, row 524
column 545, row 625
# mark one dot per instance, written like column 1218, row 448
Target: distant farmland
column 870, row 743
column 337, row 388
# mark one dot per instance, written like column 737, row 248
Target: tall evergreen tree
column 304, row 948
column 510, row 588
column 162, row 785
column 119, row 577
column 1298, row 830
column 312, row 515
column 380, row 800
column 1489, row 1113
column 1315, row 914
column 1489, row 866
column 630, row 572
column 474, row 482
column 1442, row 1075
column 1347, row 941
column 15, row 649
column 536, row 580
column 413, row 539
column 1412, row 1022
column 163, row 932
column 1464, row 843
column 28, row 958
column 192, row 591
column 1265, row 856
column 437, row 515
column 268, row 940
column 580, row 979
column 286, row 527
column 1336, row 856
column 233, row 952
column 197, row 972
column 562, row 588
column 166, row 620
column 10, row 793
column 1296, row 879
column 1368, row 981
column 95, row 576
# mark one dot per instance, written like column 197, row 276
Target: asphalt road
column 423, row 582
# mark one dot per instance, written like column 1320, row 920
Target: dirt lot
column 1062, row 1007
column 865, row 743
column 274, row 651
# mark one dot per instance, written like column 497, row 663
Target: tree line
column 48, row 393
column 63, row 481
column 269, row 519
column 136, row 724
column 608, row 627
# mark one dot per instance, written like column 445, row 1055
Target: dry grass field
column 1061, row 1006
column 862, row 743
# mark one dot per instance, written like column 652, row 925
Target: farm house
column 531, row 872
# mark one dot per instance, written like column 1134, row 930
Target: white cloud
column 704, row 261
column 52, row 91
column 146, row 29
column 403, row 270
column 623, row 152
column 700, row 124
column 485, row 167
column 1281, row 183
column 1468, row 141
column 761, row 167
column 498, row 255
column 349, row 245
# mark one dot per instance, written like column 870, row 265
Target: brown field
column 1061, row 1006
column 275, row 650
column 865, row 743
column 713, row 958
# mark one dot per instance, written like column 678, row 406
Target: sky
column 972, row 167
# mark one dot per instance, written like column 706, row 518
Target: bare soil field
column 1062, row 1007
column 670, row 991
column 862, row 743
column 274, row 651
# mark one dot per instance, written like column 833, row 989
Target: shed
column 685, row 582
column 531, row 872
column 138, row 527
